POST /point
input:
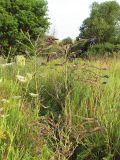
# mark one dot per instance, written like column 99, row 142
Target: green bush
column 102, row 49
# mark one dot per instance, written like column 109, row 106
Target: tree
column 67, row 40
column 21, row 15
column 103, row 23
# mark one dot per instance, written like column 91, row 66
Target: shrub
column 102, row 49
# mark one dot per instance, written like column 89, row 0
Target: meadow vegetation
column 53, row 111
column 59, row 100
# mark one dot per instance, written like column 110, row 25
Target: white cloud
column 66, row 16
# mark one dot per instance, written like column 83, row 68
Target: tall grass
column 68, row 111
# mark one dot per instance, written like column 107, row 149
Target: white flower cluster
column 25, row 79
column 7, row 64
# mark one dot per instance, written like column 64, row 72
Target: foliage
column 67, row 40
column 102, row 49
column 77, row 45
column 99, row 25
column 19, row 15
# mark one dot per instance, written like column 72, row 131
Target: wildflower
column 33, row 95
column 20, row 60
column 5, row 100
column 21, row 79
column 7, row 64
column 25, row 79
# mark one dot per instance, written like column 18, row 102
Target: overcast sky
column 66, row 16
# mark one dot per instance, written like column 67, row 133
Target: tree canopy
column 21, row 15
column 103, row 23
column 67, row 40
